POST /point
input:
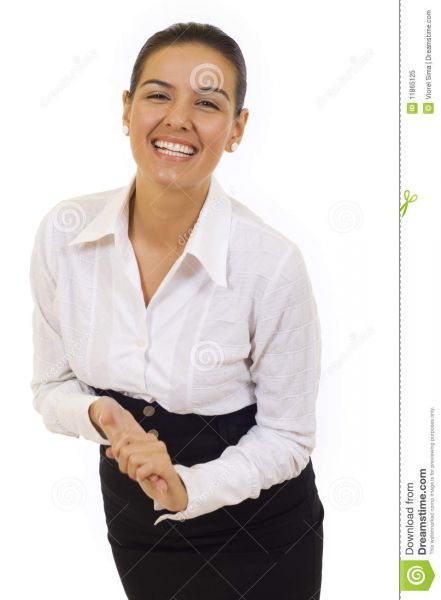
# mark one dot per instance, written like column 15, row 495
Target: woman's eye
column 158, row 94
column 210, row 103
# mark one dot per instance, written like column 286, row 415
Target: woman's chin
column 168, row 176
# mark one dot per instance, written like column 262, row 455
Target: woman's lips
column 164, row 156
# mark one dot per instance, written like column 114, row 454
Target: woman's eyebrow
column 166, row 84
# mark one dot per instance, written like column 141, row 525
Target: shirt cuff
column 227, row 480
column 75, row 410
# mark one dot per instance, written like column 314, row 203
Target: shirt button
column 149, row 411
column 141, row 343
column 154, row 431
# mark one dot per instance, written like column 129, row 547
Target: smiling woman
column 197, row 318
column 186, row 95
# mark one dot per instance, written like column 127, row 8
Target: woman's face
column 203, row 119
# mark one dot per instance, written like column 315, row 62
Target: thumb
column 111, row 420
column 106, row 417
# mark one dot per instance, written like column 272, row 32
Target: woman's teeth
column 171, row 152
column 173, row 149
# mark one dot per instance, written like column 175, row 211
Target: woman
column 178, row 330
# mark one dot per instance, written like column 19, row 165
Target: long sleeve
column 286, row 357
column 62, row 400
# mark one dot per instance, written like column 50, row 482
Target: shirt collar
column 208, row 241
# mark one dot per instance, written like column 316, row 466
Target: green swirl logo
column 416, row 575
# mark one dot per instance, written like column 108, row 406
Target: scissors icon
column 408, row 199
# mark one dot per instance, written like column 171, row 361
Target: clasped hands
column 139, row 454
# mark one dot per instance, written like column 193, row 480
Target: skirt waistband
column 188, row 435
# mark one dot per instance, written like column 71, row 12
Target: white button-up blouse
column 233, row 322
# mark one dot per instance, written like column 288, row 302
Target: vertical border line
column 399, row 297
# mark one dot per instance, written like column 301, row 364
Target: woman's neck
column 163, row 216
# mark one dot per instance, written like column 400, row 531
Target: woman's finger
column 147, row 449
column 111, row 451
column 155, row 460
column 115, row 420
column 143, row 475
column 155, row 479
column 121, row 440
column 127, row 437
column 112, row 421
column 138, row 459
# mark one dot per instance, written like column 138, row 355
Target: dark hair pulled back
column 202, row 33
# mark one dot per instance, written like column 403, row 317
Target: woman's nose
column 178, row 116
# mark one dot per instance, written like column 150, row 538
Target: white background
column 318, row 161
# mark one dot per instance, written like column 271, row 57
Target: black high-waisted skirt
column 266, row 547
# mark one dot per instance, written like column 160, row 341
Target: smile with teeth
column 173, row 149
